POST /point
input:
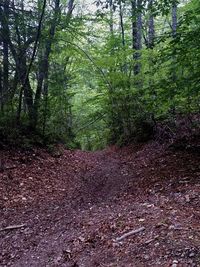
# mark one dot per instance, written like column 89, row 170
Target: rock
column 187, row 198
column 175, row 263
column 141, row 220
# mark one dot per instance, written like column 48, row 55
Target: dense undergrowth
column 179, row 132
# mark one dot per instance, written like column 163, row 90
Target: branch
column 109, row 85
column 36, row 40
column 12, row 227
column 91, row 122
column 130, row 233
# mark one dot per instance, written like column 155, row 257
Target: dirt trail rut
column 74, row 206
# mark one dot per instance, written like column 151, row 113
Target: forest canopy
column 92, row 73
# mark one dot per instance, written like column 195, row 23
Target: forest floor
column 71, row 208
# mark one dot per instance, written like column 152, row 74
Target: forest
column 88, row 74
column 99, row 133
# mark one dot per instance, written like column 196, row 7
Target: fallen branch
column 130, row 233
column 12, row 227
column 10, row 168
column 151, row 240
column 2, row 169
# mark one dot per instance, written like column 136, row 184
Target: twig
column 3, row 168
column 130, row 233
column 151, row 240
column 12, row 227
column 10, row 167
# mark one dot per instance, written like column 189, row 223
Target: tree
column 137, row 32
column 151, row 25
column 101, row 77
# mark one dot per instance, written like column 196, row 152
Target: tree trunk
column 136, row 33
column 174, row 76
column 44, row 64
column 111, row 17
column 26, row 88
column 70, row 8
column 5, row 32
column 1, row 90
column 150, row 46
column 134, row 25
column 151, row 26
column 174, row 19
column 121, row 23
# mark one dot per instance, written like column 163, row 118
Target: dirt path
column 74, row 206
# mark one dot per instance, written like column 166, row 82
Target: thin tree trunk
column 136, row 33
column 138, row 38
column 134, row 25
column 44, row 64
column 122, row 23
column 111, row 17
column 5, row 31
column 70, row 9
column 174, row 19
column 45, row 105
column 151, row 26
column 114, row 111
column 14, row 84
column 1, row 90
column 43, row 85
column 126, row 101
column 26, row 87
column 174, row 76
column 1, row 72
column 150, row 46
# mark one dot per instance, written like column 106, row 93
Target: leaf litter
column 132, row 206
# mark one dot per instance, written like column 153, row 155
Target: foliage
column 97, row 77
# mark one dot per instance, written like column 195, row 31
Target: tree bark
column 136, row 33
column 111, row 17
column 44, row 64
column 70, row 8
column 174, row 75
column 5, row 32
column 174, row 19
column 134, row 25
column 26, row 87
column 151, row 26
column 1, row 90
column 122, row 23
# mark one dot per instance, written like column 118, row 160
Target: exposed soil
column 72, row 206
